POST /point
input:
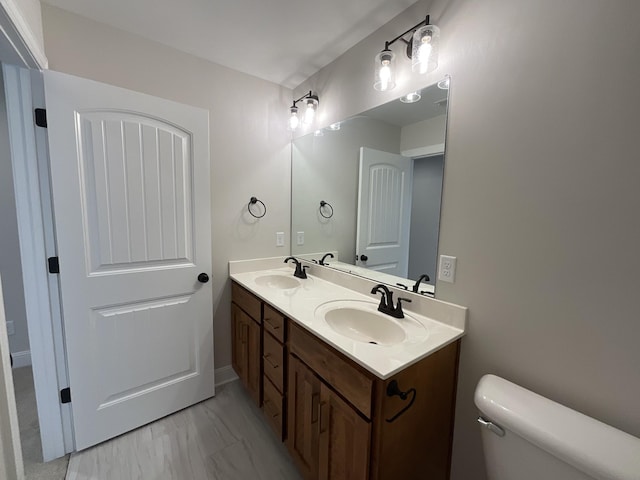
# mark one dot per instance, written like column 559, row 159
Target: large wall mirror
column 368, row 190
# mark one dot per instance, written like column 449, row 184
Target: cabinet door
column 302, row 407
column 239, row 337
column 344, row 439
column 245, row 351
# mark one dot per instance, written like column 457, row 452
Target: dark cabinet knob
column 203, row 278
column 363, row 258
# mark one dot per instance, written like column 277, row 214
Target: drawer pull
column 324, row 418
column 267, row 357
column 315, row 400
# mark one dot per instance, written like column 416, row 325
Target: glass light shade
column 412, row 97
column 385, row 78
column 294, row 120
column 334, row 126
column 424, row 52
column 310, row 112
column 444, row 84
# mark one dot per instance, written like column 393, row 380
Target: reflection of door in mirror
column 384, row 211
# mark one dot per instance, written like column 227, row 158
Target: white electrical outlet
column 447, row 269
column 300, row 238
column 279, row 239
column 11, row 329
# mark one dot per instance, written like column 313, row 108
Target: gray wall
column 540, row 199
column 10, row 266
column 425, row 216
column 250, row 148
column 327, row 168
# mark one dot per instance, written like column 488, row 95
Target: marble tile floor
column 223, row 438
column 30, row 431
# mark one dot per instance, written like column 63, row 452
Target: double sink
column 355, row 319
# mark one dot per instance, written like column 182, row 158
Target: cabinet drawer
column 273, row 360
column 340, row 373
column 274, row 322
column 246, row 301
column 272, row 406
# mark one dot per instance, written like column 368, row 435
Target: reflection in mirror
column 370, row 190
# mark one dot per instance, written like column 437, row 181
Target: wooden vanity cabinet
column 358, row 437
column 336, row 418
column 246, row 340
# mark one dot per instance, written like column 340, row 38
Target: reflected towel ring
column 325, row 204
column 253, row 201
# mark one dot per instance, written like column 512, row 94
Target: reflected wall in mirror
column 380, row 174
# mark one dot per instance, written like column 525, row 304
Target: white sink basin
column 281, row 282
column 361, row 321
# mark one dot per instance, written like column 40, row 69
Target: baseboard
column 21, row 359
column 224, row 375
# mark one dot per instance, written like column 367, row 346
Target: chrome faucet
column 300, row 269
column 386, row 302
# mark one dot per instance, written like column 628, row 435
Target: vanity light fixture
column 311, row 105
column 411, row 97
column 422, row 48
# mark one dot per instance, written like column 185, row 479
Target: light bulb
column 309, row 114
column 294, row 121
column 384, row 74
column 423, row 54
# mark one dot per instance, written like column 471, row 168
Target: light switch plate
column 279, row 239
column 447, row 269
column 300, row 238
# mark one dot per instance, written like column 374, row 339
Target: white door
column 131, row 195
column 384, row 211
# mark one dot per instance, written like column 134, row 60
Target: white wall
column 326, row 168
column 540, row 201
column 250, row 148
column 10, row 266
column 429, row 132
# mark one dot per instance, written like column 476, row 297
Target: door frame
column 35, row 232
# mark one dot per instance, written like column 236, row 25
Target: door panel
column 384, row 210
column 136, row 190
column 130, row 182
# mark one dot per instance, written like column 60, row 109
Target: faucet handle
column 397, row 312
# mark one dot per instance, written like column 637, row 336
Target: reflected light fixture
column 422, row 48
column 311, row 105
column 318, row 133
column 411, row 97
column 334, row 126
column 444, row 83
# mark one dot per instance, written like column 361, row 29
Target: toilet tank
column 529, row 437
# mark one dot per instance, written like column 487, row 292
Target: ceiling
column 283, row 41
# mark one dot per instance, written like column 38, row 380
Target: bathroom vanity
column 346, row 408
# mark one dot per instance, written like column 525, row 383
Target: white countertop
column 444, row 325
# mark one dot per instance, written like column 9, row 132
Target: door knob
column 363, row 258
column 203, row 278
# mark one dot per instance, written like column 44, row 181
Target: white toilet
column 529, row 437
